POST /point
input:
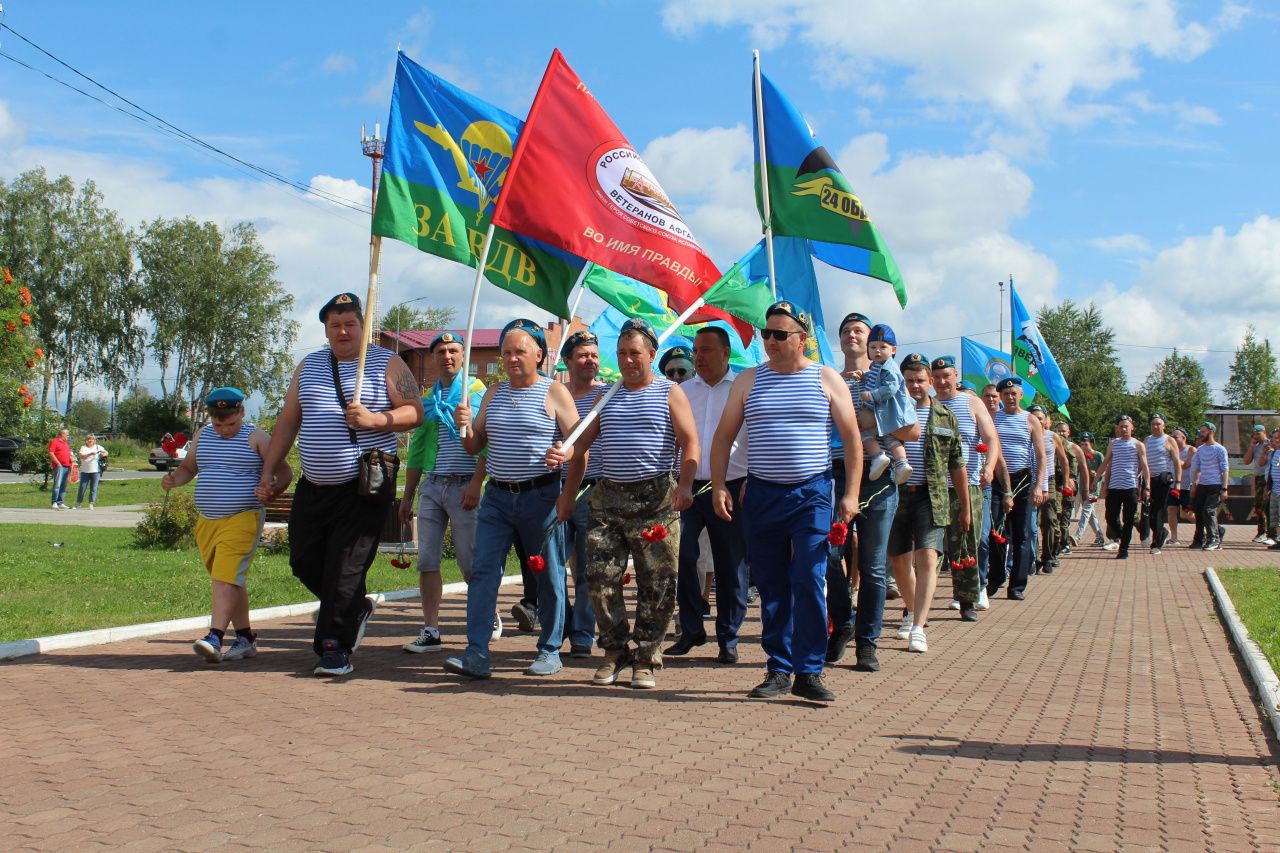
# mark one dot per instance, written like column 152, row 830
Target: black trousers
column 1205, row 505
column 333, row 540
column 1159, row 515
column 1011, row 558
column 1122, row 507
column 728, row 557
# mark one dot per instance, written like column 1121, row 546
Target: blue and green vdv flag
column 445, row 160
column 810, row 197
column 1031, row 356
column 984, row 366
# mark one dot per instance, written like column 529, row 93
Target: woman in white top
column 90, row 453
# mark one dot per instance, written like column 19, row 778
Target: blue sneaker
column 209, row 647
column 241, row 649
column 334, row 661
column 546, row 663
column 466, row 666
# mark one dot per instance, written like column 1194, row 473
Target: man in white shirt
column 707, row 392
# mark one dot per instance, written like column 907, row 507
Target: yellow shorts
column 227, row 545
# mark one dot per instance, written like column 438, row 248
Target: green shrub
column 275, row 540
column 33, row 457
column 167, row 526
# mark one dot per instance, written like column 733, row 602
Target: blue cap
column 530, row 328
column 644, row 327
column 576, row 340
column 446, row 338
column 678, row 351
column 881, row 333
column 1009, row 382
column 221, row 399
column 788, row 309
column 346, row 301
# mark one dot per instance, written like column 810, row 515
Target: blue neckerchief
column 440, row 407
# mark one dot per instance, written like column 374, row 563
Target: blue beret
column 342, row 300
column 1009, row 382
column 576, row 340
column 446, row 338
column 968, row 386
column 224, row 398
column 855, row 317
column 678, row 351
column 943, row 361
column 644, row 327
column 915, row 361
column 881, row 333
column 788, row 309
column 530, row 328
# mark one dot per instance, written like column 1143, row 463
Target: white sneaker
column 918, row 642
column 90, row 506
column 878, row 464
column 954, row 605
column 63, row 506
column 983, row 601
column 53, row 506
column 241, row 649
column 77, row 506
column 902, row 471
column 904, row 631
column 1268, row 541
column 1261, row 537
column 497, row 627
column 1111, row 546
column 1172, row 543
column 1155, row 552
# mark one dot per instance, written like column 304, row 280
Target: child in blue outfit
column 891, row 407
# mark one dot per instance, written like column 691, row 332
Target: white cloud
column 1185, row 113
column 12, row 132
column 338, row 63
column 1035, row 62
column 1122, row 244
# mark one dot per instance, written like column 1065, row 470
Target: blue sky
column 1109, row 151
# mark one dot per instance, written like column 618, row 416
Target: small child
column 227, row 454
column 891, row 407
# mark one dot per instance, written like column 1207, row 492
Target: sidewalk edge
column 1264, row 677
column 101, row 636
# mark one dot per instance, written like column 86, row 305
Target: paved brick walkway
column 1106, row 712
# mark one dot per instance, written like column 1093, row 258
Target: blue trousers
column 579, row 617
column 61, row 476
column 1016, row 552
column 873, row 525
column 787, row 526
column 984, row 543
column 504, row 516
column 728, row 556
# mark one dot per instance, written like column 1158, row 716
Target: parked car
column 163, row 461
column 9, row 448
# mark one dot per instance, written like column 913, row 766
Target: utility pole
column 1001, row 340
column 372, row 147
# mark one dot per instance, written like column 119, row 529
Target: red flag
column 575, row 182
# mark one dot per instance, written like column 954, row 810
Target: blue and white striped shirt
column 1273, row 472
column 328, row 456
column 915, row 449
column 595, row 463
column 1050, row 458
column 1159, row 461
column 636, row 440
column 229, row 471
column 1015, row 440
column 1123, row 473
column 1186, row 467
column 519, row 431
column 451, row 457
column 1211, row 461
column 788, row 425
column 973, row 460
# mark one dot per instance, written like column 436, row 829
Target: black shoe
column 729, row 656
column 684, row 644
column 753, row 595
column 837, row 643
column 706, row 608
column 526, row 617
column 867, row 661
column 1017, row 596
column 774, row 685
column 1122, row 554
column 809, row 686
column 1047, row 569
column 968, row 613
column 334, row 660
column 1066, row 549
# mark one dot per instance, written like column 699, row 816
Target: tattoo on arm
column 406, row 384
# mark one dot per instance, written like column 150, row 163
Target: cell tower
column 372, row 147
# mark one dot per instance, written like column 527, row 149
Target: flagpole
column 1012, row 332
column 375, row 253
column 471, row 315
column 582, row 288
column 764, row 173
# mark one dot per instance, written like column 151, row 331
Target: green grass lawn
column 1256, row 596
column 110, row 493
column 96, row 579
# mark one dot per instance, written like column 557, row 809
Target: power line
column 168, row 128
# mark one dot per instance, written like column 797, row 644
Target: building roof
column 422, row 338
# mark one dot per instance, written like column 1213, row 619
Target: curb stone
column 1264, row 677
column 101, row 636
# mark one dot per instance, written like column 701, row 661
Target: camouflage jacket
column 942, row 452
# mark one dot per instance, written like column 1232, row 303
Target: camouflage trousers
column 962, row 545
column 1064, row 519
column 620, row 513
column 1049, row 544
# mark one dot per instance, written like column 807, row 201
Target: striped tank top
column 1123, row 473
column 636, row 440
column 1015, row 439
column 595, row 462
column 1158, row 459
column 788, row 425
column 973, row 460
column 451, row 457
column 1184, row 455
column 1273, row 472
column 915, row 449
column 519, row 430
column 1050, row 457
column 328, row 456
column 229, row 472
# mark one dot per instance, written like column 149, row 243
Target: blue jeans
column 579, row 617
column 984, row 544
column 728, row 556
column 787, row 526
column 90, row 480
column 873, row 525
column 61, row 474
column 839, row 589
column 503, row 516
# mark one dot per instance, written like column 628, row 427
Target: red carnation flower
column 537, row 563
column 400, row 564
column 955, row 565
column 180, row 439
column 1088, row 456
column 626, row 579
column 981, row 447
column 169, row 447
column 1175, row 493
column 1070, row 493
column 656, row 533
column 839, row 533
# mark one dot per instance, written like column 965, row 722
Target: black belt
column 518, row 486
column 588, row 481
column 452, row 478
column 919, row 488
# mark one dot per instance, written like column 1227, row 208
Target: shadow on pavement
column 986, row 750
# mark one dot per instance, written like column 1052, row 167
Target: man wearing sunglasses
column 789, row 405
column 707, row 391
column 676, row 364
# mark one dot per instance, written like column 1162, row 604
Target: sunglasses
column 677, row 373
column 777, row 334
